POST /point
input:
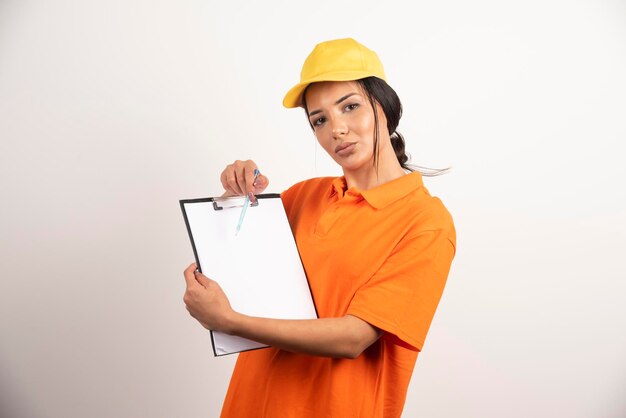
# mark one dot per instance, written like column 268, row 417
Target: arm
column 345, row 337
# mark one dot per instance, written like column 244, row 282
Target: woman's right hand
column 238, row 179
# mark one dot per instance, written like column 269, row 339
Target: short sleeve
column 402, row 296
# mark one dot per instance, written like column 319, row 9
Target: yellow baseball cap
column 336, row 60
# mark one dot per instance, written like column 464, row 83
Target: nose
column 339, row 127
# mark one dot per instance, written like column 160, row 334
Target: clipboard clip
column 229, row 202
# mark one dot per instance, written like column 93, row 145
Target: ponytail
column 397, row 141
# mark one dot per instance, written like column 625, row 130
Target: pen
column 246, row 203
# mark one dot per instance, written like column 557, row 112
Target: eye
column 351, row 107
column 318, row 121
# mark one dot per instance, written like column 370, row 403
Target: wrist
column 232, row 323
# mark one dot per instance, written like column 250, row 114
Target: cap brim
column 293, row 98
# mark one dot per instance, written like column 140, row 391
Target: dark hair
column 378, row 91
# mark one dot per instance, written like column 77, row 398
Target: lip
column 344, row 148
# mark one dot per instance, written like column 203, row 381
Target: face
column 343, row 121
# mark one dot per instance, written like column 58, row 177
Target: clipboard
column 259, row 268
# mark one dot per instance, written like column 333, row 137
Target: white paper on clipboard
column 259, row 268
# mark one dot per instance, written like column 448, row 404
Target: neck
column 369, row 177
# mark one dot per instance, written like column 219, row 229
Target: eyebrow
column 315, row 112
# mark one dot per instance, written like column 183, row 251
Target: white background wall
column 112, row 111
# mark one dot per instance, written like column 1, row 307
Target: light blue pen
column 246, row 203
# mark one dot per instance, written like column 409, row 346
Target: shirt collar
column 382, row 195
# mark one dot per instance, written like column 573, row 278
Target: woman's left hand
column 206, row 301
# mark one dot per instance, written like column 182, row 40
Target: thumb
column 202, row 279
column 260, row 183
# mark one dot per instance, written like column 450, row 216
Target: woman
column 376, row 248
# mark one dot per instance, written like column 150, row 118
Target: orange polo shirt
column 382, row 255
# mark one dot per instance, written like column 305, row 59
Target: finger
column 202, row 279
column 249, row 176
column 261, row 183
column 224, row 181
column 190, row 278
column 240, row 175
column 230, row 181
